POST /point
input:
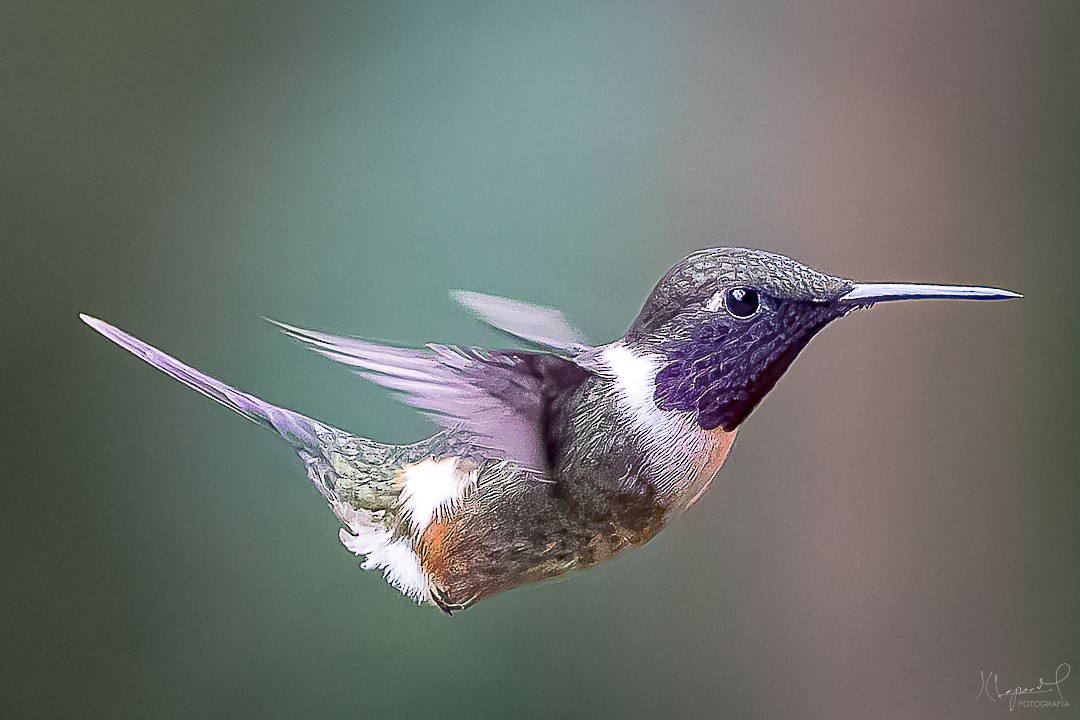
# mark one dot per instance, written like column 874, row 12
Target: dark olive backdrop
column 899, row 515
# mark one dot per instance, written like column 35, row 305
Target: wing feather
column 537, row 324
column 503, row 398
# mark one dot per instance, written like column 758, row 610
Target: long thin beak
column 882, row 292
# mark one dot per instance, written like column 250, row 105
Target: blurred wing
column 504, row 398
column 536, row 324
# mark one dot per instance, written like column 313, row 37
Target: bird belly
column 518, row 527
column 529, row 529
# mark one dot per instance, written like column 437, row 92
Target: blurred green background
column 899, row 515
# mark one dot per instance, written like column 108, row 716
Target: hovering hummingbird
column 559, row 457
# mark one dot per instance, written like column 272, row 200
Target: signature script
column 991, row 692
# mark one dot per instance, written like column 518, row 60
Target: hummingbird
column 561, row 456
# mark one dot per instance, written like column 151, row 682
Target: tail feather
column 292, row 426
column 308, row 436
column 358, row 477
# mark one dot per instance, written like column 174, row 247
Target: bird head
column 728, row 322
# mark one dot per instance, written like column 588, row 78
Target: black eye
column 742, row 302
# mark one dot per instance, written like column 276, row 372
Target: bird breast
column 682, row 458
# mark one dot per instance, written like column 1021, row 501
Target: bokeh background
column 899, row 515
